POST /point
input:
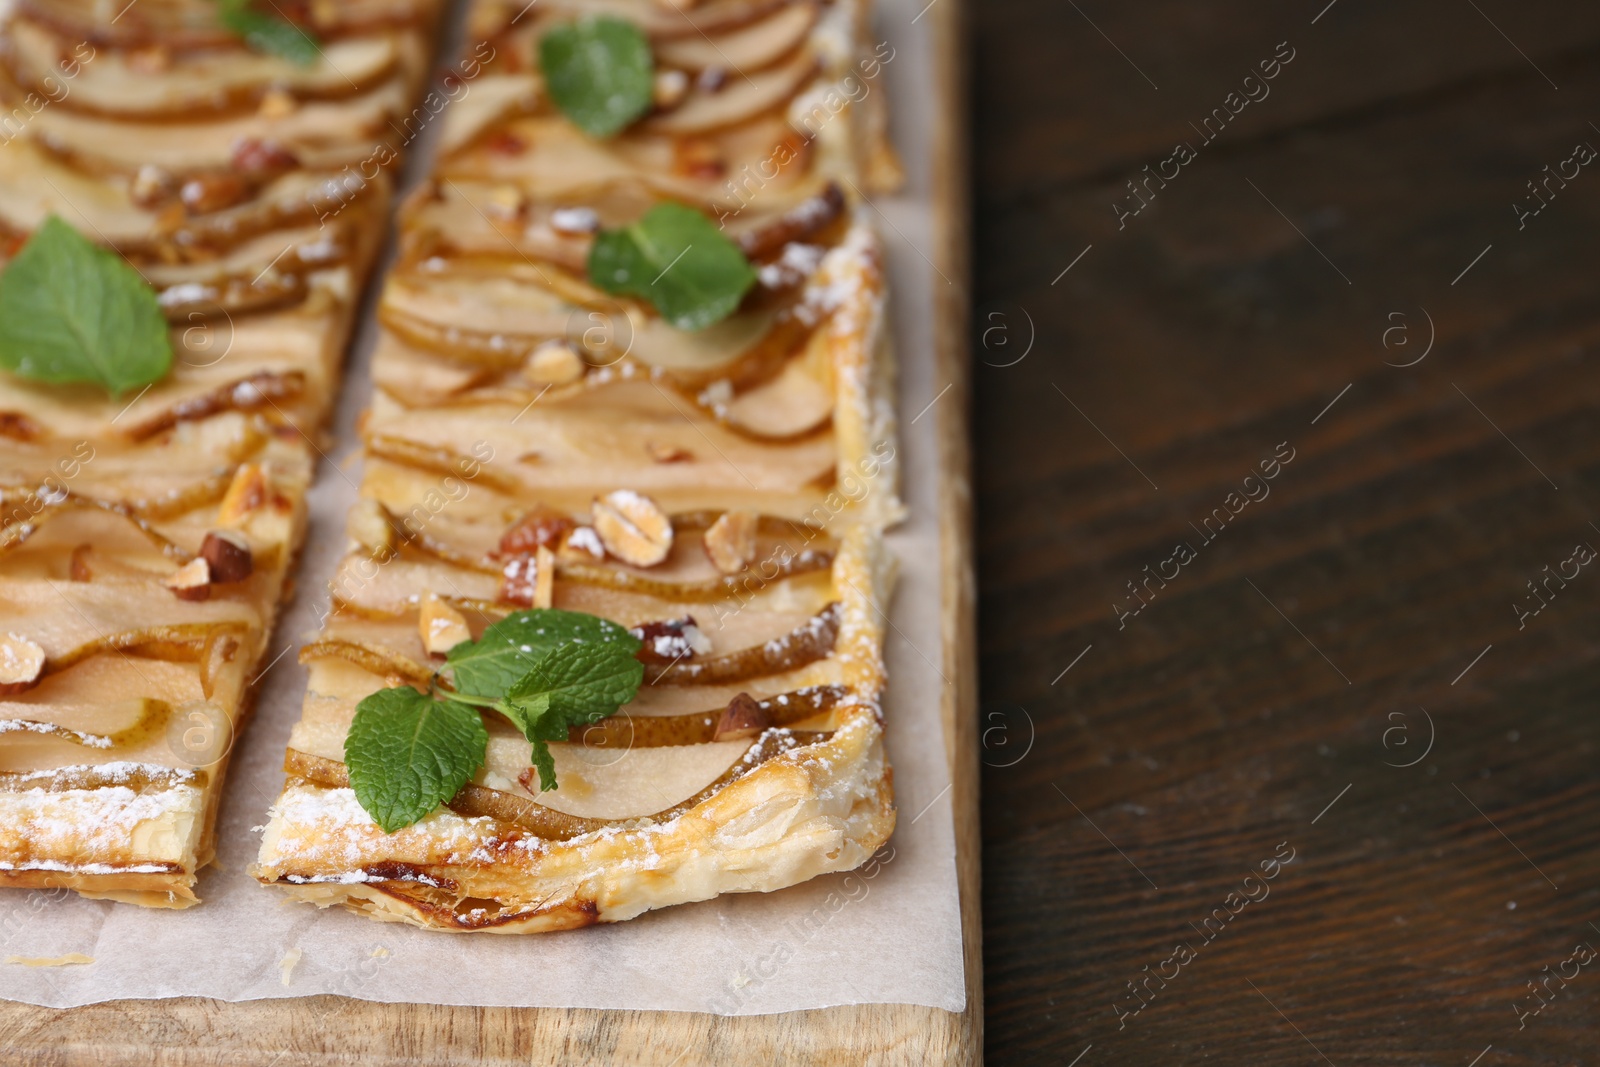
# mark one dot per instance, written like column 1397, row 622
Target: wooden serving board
column 330, row 1030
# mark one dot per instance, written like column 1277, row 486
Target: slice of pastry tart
column 177, row 284
column 609, row 634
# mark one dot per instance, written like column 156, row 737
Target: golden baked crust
column 208, row 167
column 782, row 410
column 813, row 809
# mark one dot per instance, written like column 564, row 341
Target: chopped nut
column 529, row 578
column 696, row 157
column 151, row 186
column 553, row 363
column 711, row 80
column 670, row 640
column 730, row 543
column 741, row 720
column 505, row 143
column 441, row 626
column 154, row 59
column 80, row 570
column 667, row 453
column 574, row 221
column 251, row 155
column 633, row 527
column 506, row 202
column 21, row 664
column 248, row 491
column 582, row 545
column 669, row 88
column 228, row 555
column 192, row 581
column 277, row 104
column 544, row 583
column 213, row 192
column 370, row 527
column 539, row 527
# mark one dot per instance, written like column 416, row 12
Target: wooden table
column 1348, row 668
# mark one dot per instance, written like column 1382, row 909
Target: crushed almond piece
column 730, row 543
column 582, row 545
column 553, row 363
column 695, row 157
column 633, row 527
column 671, row 640
column 528, row 578
column 21, row 664
column 277, row 104
column 667, row 453
column 252, row 155
column 213, row 192
column 505, row 202
column 154, row 59
column 544, row 579
column 574, row 221
column 538, row 527
column 248, row 491
column 192, row 581
column 669, row 88
column 227, row 554
column 741, row 720
column 441, row 626
column 151, row 185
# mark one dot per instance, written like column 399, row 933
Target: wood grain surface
column 1339, row 668
column 330, row 1031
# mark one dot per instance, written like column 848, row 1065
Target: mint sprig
column 678, row 260
column 572, row 685
column 545, row 670
column 269, row 33
column 71, row 311
column 408, row 753
column 600, row 73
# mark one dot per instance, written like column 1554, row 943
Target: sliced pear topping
column 747, row 48
column 741, row 99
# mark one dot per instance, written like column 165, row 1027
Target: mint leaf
column 599, row 72
column 408, row 753
column 676, row 259
column 510, row 648
column 269, row 33
column 71, row 311
column 571, row 685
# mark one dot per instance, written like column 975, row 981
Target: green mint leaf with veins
column 270, row 33
column 677, row 259
column 71, row 311
column 408, row 753
column 490, row 666
column 600, row 73
column 574, row 684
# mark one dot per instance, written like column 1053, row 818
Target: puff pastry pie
column 535, row 441
column 145, row 541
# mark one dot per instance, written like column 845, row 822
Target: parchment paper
column 888, row 933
